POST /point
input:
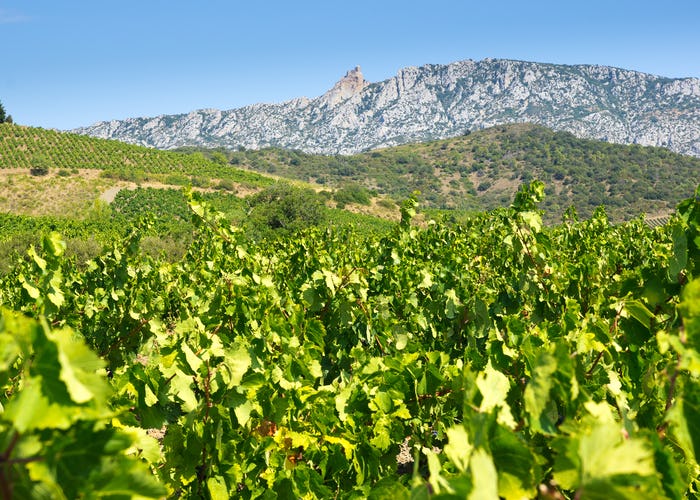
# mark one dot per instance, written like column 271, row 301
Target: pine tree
column 2, row 113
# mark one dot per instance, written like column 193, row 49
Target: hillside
column 482, row 170
column 93, row 189
column 477, row 171
column 30, row 147
column 438, row 101
column 46, row 172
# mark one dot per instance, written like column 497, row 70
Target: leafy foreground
column 507, row 359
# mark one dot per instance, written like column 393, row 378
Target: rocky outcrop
column 351, row 84
column 438, row 101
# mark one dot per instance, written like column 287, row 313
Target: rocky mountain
column 439, row 101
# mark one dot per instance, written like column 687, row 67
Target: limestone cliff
column 437, row 101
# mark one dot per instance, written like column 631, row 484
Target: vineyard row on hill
column 27, row 147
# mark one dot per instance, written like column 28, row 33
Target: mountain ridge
column 437, row 101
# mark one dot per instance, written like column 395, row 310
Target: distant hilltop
column 439, row 101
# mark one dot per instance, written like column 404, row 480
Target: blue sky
column 69, row 63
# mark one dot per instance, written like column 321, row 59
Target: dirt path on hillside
column 109, row 195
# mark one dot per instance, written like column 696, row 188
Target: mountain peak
column 352, row 83
column 437, row 101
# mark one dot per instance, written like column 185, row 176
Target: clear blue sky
column 69, row 63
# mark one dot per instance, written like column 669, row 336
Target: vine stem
column 613, row 329
column 207, row 396
column 595, row 363
column 672, row 384
column 526, row 246
column 119, row 340
column 5, row 484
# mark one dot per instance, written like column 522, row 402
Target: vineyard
column 491, row 358
column 28, row 147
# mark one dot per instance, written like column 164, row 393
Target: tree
column 40, row 164
column 219, row 158
column 283, row 209
column 3, row 116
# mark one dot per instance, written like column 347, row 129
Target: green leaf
column 679, row 261
column 143, row 445
column 150, row 398
column 635, row 309
column 382, row 438
column 242, row 409
column 341, row 401
column 458, row 449
column 192, row 360
column 181, row 386
column 533, row 220
column 684, row 419
column 348, row 447
column 383, row 402
column 494, row 387
column 537, row 394
column 31, row 409
column 33, row 291
column 9, row 352
column 452, row 304
column 389, row 489
column 596, row 458
column 690, row 310
column 515, row 463
column 78, row 368
column 217, row 488
column 40, row 262
column 401, row 341
column 53, row 244
column 484, row 476
column 238, row 361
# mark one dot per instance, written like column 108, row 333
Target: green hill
column 58, row 174
column 478, row 171
column 482, row 170
column 29, row 147
column 92, row 190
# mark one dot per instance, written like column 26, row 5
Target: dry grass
column 376, row 209
column 22, row 193
column 74, row 195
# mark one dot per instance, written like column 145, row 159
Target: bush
column 219, row 158
column 177, row 179
column 283, row 209
column 40, row 164
column 226, row 185
column 199, row 181
column 484, row 186
column 387, row 203
column 352, row 193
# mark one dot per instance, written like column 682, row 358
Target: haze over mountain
column 439, row 101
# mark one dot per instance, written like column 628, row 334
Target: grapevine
column 506, row 358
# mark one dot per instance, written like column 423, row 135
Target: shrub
column 40, row 164
column 352, row 193
column 226, row 185
column 283, row 209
